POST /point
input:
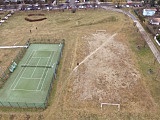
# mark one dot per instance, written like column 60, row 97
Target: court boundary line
column 32, row 54
column 25, row 90
column 31, row 75
column 35, row 67
column 40, row 57
column 15, row 80
column 21, row 74
column 46, row 72
column 29, row 78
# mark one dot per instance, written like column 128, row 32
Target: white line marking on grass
column 20, row 71
column 92, row 53
column 16, row 43
column 110, row 104
column 45, row 69
column 46, row 73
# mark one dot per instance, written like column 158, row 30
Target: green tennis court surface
column 30, row 84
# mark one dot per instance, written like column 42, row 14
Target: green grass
column 146, row 61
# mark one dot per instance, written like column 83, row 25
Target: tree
column 152, row 3
column 158, row 38
column 158, row 2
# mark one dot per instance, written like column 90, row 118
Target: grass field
column 111, row 68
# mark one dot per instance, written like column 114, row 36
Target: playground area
column 31, row 82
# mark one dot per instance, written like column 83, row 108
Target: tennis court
column 31, row 82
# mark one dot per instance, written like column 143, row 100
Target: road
column 145, row 35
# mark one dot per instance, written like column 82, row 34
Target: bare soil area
column 107, row 75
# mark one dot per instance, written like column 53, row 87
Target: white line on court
column 20, row 71
column 45, row 69
column 30, row 78
column 40, row 57
column 35, row 67
column 29, row 60
column 46, row 73
column 25, row 90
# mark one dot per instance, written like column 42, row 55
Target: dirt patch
column 36, row 14
column 34, row 19
column 108, row 75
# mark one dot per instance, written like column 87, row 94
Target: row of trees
column 158, row 38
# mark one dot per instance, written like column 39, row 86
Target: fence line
column 17, row 59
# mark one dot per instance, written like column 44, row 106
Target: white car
column 5, row 18
column 2, row 21
column 8, row 15
column 127, row 6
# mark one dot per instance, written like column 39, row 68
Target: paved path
column 2, row 47
column 146, row 37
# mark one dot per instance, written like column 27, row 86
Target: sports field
column 30, row 83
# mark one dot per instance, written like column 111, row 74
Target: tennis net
column 42, row 66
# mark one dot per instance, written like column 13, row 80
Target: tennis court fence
column 5, row 75
column 23, row 104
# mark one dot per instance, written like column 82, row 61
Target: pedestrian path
column 145, row 35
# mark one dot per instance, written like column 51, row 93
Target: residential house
column 155, row 21
column 149, row 12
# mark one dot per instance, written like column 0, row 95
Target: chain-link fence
column 5, row 75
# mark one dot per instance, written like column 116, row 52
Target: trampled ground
column 96, row 67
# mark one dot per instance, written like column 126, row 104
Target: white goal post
column 110, row 104
column 100, row 31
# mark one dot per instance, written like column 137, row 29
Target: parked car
column 2, row 21
column 5, row 18
column 127, row 6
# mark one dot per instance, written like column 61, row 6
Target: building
column 155, row 21
column 149, row 12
